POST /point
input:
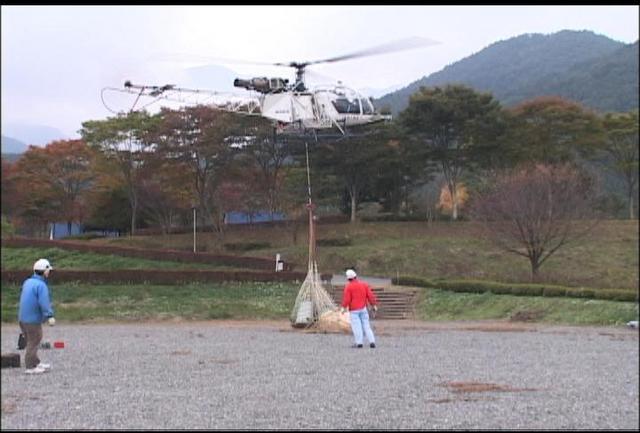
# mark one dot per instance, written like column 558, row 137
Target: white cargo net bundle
column 313, row 306
column 312, row 302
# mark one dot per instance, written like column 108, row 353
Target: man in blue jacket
column 35, row 309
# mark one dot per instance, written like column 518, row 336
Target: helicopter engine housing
column 262, row 84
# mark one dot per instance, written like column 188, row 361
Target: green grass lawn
column 82, row 302
column 259, row 301
column 23, row 258
column 444, row 305
column 606, row 258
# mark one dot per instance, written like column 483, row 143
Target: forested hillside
column 578, row 65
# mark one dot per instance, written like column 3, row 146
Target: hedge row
column 170, row 255
column 470, row 286
column 137, row 276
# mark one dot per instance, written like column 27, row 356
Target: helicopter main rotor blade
column 400, row 45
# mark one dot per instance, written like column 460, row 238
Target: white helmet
column 351, row 274
column 42, row 265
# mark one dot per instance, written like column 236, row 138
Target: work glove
column 375, row 308
column 343, row 310
column 51, row 321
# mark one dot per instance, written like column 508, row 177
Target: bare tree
column 427, row 196
column 534, row 210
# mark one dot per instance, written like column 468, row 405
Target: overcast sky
column 56, row 59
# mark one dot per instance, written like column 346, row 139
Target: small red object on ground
column 58, row 344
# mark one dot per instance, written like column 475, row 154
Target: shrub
column 617, row 295
column 470, row 286
column 580, row 292
column 464, row 286
column 526, row 290
column 554, row 291
column 410, row 281
column 499, row 289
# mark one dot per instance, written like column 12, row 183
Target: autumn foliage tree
column 9, row 193
column 536, row 209
column 54, row 181
column 70, row 168
column 551, row 130
column 200, row 139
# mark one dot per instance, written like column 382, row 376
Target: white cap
column 42, row 265
column 351, row 274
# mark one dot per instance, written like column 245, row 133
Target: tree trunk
column 353, row 194
column 535, row 266
column 353, row 208
column 631, row 213
column 454, row 202
column 294, row 231
column 134, row 210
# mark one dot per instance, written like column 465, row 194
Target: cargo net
column 312, row 302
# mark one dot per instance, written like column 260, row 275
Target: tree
column 9, row 193
column 457, row 127
column 400, row 168
column 164, row 192
column 109, row 210
column 54, row 181
column 621, row 145
column 426, row 198
column 123, row 139
column 355, row 162
column 552, row 130
column 535, row 209
column 35, row 204
column 165, row 197
column 268, row 153
column 205, row 140
column 69, row 167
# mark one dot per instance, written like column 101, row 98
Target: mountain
column 608, row 83
column 11, row 145
column 579, row 65
column 39, row 135
column 377, row 93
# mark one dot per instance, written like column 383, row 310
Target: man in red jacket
column 355, row 297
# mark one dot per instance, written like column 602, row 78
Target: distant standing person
column 35, row 308
column 355, row 298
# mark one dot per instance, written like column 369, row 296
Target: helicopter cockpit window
column 346, row 106
column 367, row 106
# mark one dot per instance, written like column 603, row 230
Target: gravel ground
column 265, row 375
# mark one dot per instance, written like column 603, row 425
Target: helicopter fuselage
column 321, row 108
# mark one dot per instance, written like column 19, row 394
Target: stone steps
column 392, row 304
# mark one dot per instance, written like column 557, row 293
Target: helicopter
column 293, row 108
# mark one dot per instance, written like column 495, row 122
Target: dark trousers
column 33, row 333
